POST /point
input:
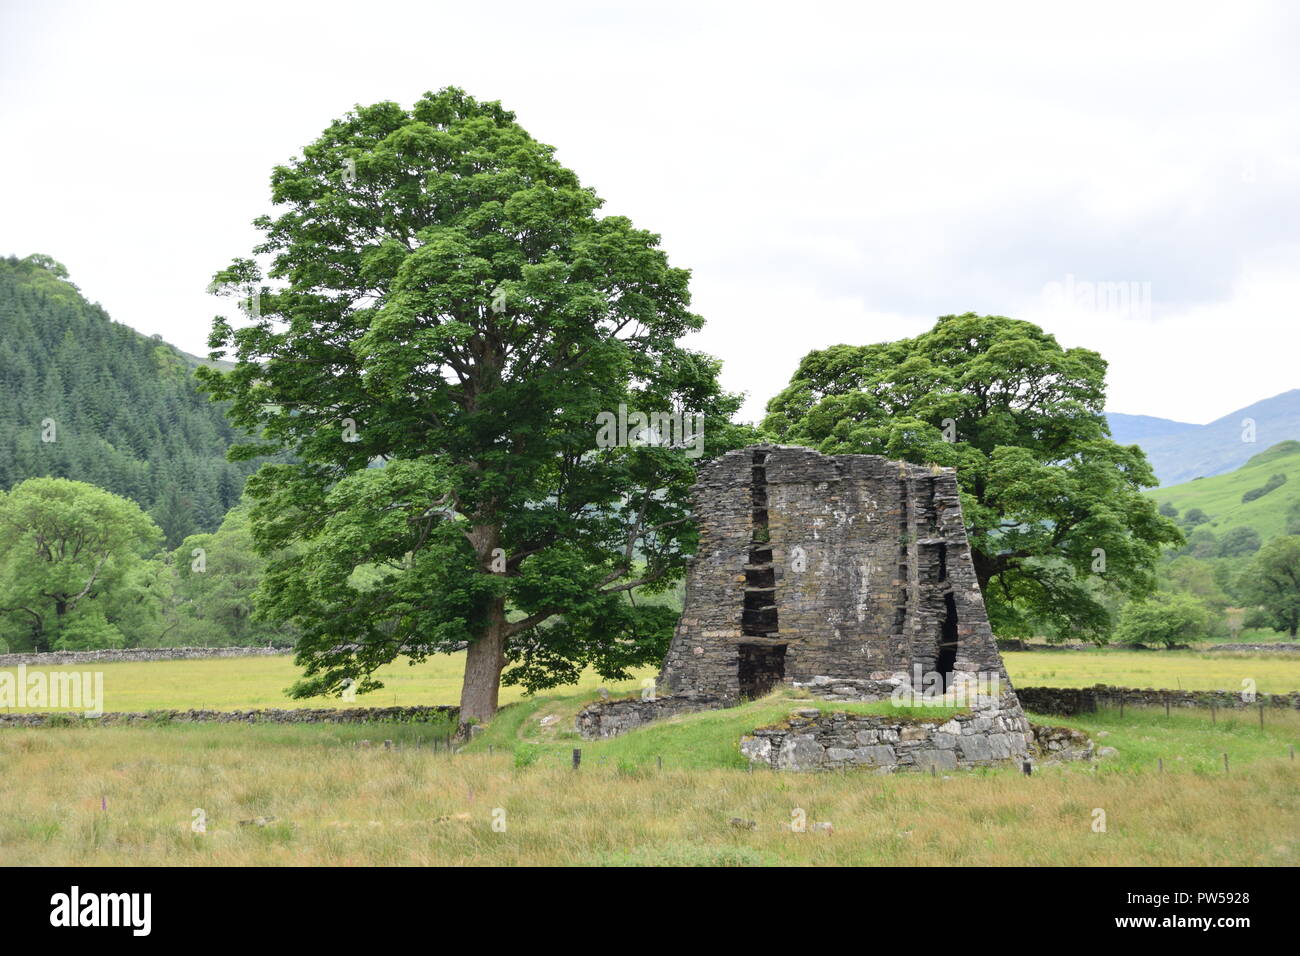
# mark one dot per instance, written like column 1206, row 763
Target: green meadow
column 668, row 794
column 677, row 792
column 256, row 682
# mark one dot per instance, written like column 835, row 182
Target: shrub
column 1164, row 618
column 526, row 755
column 1202, row 543
column 88, row 631
column 1239, row 541
column 1276, row 481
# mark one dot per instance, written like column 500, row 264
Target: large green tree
column 1272, row 582
column 442, row 319
column 215, row 579
column 1058, row 527
column 72, row 558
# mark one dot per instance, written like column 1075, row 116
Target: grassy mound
column 541, row 731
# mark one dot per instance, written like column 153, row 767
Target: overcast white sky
column 831, row 173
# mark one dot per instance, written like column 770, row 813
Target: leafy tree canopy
column 1164, row 618
column 63, row 545
column 216, row 578
column 442, row 320
column 1272, row 581
column 1238, row 541
column 1052, row 505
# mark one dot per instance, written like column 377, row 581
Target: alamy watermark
column 1125, row 300
column 935, row 689
column 71, row 690
column 676, row 429
column 129, row 910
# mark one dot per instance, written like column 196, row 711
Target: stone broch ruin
column 849, row 565
column 850, row 576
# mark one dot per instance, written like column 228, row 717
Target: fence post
column 1225, row 763
column 577, row 757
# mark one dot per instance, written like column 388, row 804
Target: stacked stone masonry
column 811, row 740
column 609, row 718
column 352, row 715
column 1086, row 700
column 852, row 566
column 120, row 655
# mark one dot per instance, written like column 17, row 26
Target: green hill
column 125, row 411
column 1220, row 497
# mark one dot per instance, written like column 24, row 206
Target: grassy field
column 243, row 683
column 663, row 794
column 119, row 795
column 1170, row 670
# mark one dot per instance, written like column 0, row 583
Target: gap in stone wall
column 760, row 665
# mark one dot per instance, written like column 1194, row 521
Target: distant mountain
column 1131, row 429
column 1179, row 451
column 122, row 408
column 1220, row 498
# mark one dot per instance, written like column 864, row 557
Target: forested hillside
column 86, row 398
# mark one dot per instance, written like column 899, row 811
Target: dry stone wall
column 57, row 658
column 352, row 715
column 811, row 741
column 1085, row 700
column 609, row 718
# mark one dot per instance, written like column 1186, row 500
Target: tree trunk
column 41, row 639
column 483, row 663
column 983, row 570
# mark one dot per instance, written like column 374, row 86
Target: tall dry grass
column 334, row 803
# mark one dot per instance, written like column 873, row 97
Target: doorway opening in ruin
column 761, row 668
column 946, row 660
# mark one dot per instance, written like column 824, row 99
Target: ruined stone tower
column 810, row 566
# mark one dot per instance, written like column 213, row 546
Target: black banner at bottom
column 332, row 905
